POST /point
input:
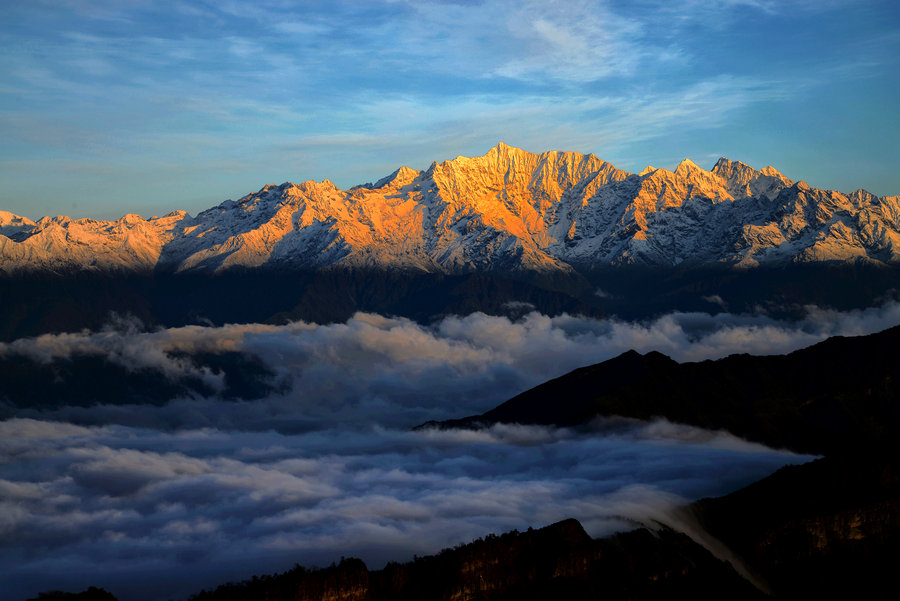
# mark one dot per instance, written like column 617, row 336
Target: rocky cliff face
column 507, row 211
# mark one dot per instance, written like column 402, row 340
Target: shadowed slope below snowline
column 41, row 303
column 34, row 305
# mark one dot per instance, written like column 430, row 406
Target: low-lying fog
column 157, row 502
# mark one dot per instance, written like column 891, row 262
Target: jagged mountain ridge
column 507, row 211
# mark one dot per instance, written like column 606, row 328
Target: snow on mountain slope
column 508, row 210
column 12, row 224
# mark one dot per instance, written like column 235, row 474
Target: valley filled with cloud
column 322, row 462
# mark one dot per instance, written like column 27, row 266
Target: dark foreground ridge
column 557, row 562
column 839, row 396
column 829, row 529
column 826, row 529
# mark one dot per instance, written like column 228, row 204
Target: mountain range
column 507, row 211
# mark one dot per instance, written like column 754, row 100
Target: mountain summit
column 508, row 210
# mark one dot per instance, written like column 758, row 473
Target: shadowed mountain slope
column 840, row 394
column 828, row 529
column 42, row 304
column 557, row 562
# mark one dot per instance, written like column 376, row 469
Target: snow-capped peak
column 686, row 167
column 399, row 178
column 742, row 180
column 508, row 209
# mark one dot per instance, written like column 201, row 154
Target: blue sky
column 135, row 106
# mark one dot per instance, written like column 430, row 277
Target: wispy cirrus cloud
column 431, row 79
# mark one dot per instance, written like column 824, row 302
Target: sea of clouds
column 156, row 502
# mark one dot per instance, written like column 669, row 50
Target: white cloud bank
column 395, row 372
